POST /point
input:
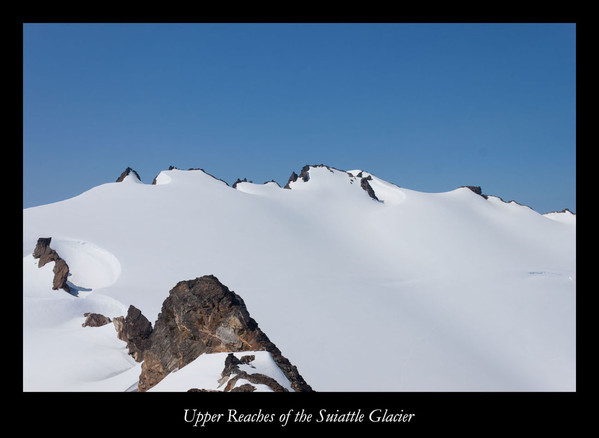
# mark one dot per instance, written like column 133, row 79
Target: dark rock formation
column 367, row 187
column 42, row 250
column 292, row 178
column 246, row 387
column 61, row 273
column 95, row 320
column 45, row 254
column 127, row 171
column 135, row 330
column 477, row 190
column 203, row 316
column 304, row 174
column 231, row 374
column 239, row 181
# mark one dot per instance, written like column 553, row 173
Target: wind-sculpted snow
column 92, row 267
column 417, row 292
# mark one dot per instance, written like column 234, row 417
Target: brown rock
column 61, row 272
column 95, row 320
column 232, row 368
column 203, row 316
column 246, row 387
column 135, row 330
column 45, row 254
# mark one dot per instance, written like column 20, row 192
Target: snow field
column 418, row 292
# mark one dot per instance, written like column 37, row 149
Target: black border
column 132, row 413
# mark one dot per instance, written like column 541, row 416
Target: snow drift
column 411, row 291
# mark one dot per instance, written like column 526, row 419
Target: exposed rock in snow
column 477, row 190
column 442, row 285
column 135, row 330
column 203, row 316
column 128, row 171
column 231, row 374
column 95, row 320
column 239, row 181
column 367, row 187
column 45, row 254
column 292, row 178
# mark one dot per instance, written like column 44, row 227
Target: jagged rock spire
column 127, row 171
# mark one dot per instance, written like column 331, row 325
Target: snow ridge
column 459, row 292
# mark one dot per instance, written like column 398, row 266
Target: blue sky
column 429, row 107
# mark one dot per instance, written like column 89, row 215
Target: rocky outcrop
column 127, row 171
column 367, row 187
column 305, row 174
column 45, row 254
column 95, row 320
column 292, row 178
column 477, row 190
column 61, row 273
column 239, row 181
column 231, row 374
column 135, row 330
column 203, row 316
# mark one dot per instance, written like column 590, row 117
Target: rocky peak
column 128, row 171
column 203, row 316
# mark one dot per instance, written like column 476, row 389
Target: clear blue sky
column 429, row 107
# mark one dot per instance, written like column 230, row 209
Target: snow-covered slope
column 205, row 373
column 413, row 292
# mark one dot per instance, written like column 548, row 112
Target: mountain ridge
column 304, row 175
column 442, row 285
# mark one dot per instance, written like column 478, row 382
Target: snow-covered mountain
column 362, row 284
